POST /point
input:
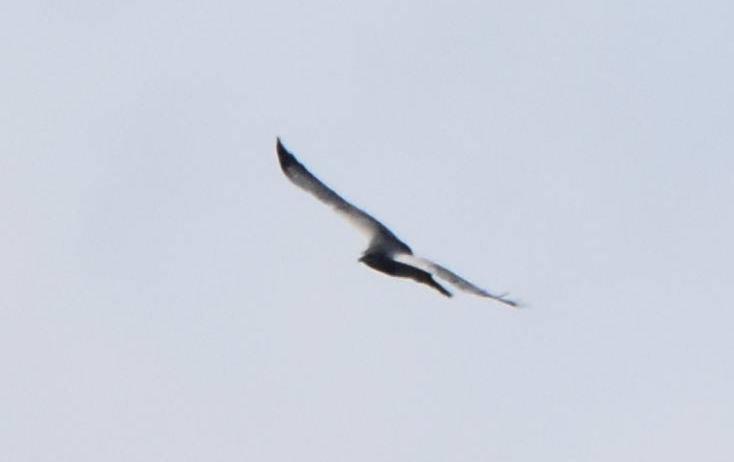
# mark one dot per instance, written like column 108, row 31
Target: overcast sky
column 166, row 294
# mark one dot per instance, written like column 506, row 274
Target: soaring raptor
column 385, row 252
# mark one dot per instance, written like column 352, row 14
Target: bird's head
column 370, row 259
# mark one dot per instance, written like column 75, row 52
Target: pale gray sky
column 166, row 294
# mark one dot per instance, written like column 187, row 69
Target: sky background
column 166, row 294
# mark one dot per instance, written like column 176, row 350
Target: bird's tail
column 432, row 282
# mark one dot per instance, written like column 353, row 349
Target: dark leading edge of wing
column 301, row 177
column 380, row 235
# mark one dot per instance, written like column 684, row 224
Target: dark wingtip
column 513, row 303
column 502, row 298
column 286, row 158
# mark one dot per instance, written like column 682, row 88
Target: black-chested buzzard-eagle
column 385, row 252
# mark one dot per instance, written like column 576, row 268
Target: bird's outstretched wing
column 380, row 237
column 452, row 278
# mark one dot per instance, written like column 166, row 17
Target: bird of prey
column 385, row 252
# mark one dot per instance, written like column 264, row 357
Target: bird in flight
column 385, row 252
